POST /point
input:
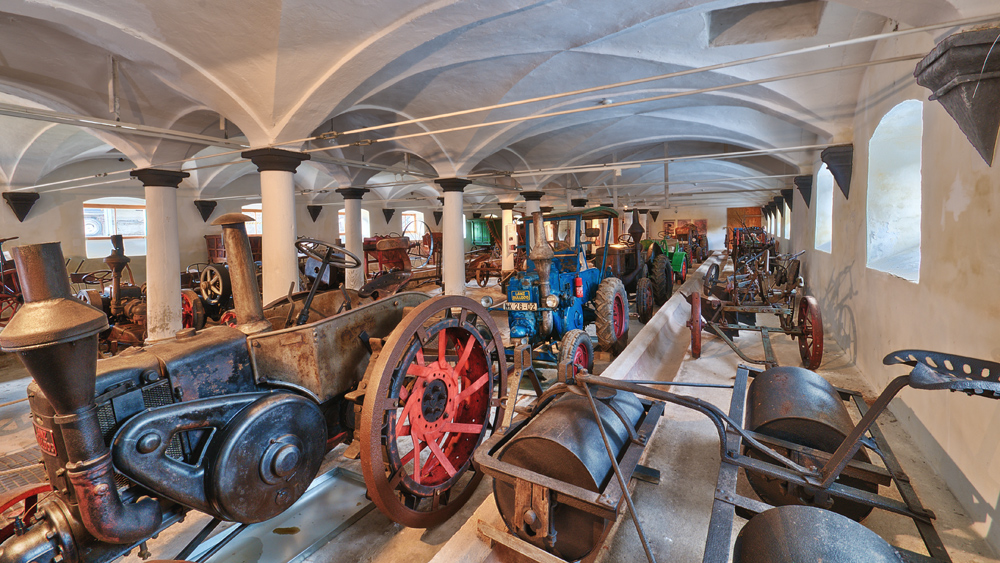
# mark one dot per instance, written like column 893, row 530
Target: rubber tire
column 644, row 300
column 683, row 274
column 570, row 342
column 610, row 290
column 663, row 279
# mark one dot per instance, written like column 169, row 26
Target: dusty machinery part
column 228, row 318
column 811, row 337
column 799, row 406
column 9, row 304
column 482, row 274
column 644, row 299
column 98, row 277
column 577, row 348
column 792, row 534
column 18, row 506
column 92, row 297
column 711, row 278
column 663, row 279
column 695, row 324
column 192, row 310
column 339, row 257
column 563, row 443
column 612, row 315
column 216, row 287
column 428, row 404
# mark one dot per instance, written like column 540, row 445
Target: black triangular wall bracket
column 388, row 213
column 205, row 207
column 840, row 160
column 314, row 211
column 962, row 75
column 654, row 214
column 805, row 186
column 437, row 217
column 787, row 195
column 20, row 203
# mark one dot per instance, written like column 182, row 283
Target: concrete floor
column 674, row 514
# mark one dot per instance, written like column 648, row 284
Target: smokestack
column 541, row 255
column 239, row 258
column 56, row 338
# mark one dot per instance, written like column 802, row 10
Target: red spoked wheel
column 810, row 333
column 228, row 318
column 192, row 310
column 429, row 403
column 695, row 325
column 9, row 304
column 19, row 505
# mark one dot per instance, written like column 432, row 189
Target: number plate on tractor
column 509, row 306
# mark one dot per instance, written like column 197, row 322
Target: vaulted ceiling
column 223, row 75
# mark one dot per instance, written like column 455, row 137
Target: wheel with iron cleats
column 612, row 315
column 695, row 325
column 192, row 310
column 644, row 300
column 429, row 402
column 576, row 347
column 811, row 337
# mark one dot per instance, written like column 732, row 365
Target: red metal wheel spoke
column 466, row 352
column 441, row 458
column 472, row 389
column 442, row 347
column 459, row 428
column 420, row 356
column 417, row 370
column 416, row 459
column 405, row 416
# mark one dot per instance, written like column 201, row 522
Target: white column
column 353, row 237
column 452, row 241
column 279, row 259
column 508, row 236
column 163, row 259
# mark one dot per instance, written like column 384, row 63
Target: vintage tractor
column 235, row 421
column 627, row 262
column 564, row 288
column 668, row 262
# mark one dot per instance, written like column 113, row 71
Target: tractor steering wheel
column 626, row 239
column 317, row 249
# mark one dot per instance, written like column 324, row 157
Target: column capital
column 275, row 159
column 578, row 202
column 452, row 184
column 353, row 193
column 532, row 195
column 507, row 205
column 157, row 177
column 546, row 209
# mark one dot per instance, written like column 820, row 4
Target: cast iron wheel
column 644, row 300
column 711, row 278
column 317, row 250
column 192, row 310
column 482, row 274
column 663, row 279
column 19, row 505
column 428, row 404
column 576, row 347
column 811, row 337
column 228, row 318
column 216, row 287
column 612, row 315
column 695, row 325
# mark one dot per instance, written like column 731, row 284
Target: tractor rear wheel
column 612, row 315
column 644, row 300
column 576, row 347
column 663, row 279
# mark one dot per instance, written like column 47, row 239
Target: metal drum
column 797, row 405
column 793, row 534
column 563, row 442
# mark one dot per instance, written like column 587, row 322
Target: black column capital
column 353, row 193
column 452, row 184
column 546, row 209
column 275, row 159
column 157, row 177
column 532, row 196
column 507, row 205
column 578, row 202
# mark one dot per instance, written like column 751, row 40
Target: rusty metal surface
column 211, row 362
column 246, row 293
column 327, row 356
column 793, row 534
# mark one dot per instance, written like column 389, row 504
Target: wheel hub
column 436, row 403
column 434, row 400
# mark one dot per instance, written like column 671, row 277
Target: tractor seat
column 385, row 284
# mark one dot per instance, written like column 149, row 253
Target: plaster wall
column 954, row 308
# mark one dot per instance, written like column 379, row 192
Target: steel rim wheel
column 214, row 284
column 228, row 318
column 811, row 333
column 711, row 278
column 192, row 310
column 427, row 408
column 482, row 275
column 695, row 325
column 27, row 497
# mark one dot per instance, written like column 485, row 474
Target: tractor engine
column 131, row 443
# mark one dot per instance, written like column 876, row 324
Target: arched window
column 413, row 224
column 894, row 187
column 824, row 209
column 366, row 227
column 255, row 227
column 787, row 214
column 108, row 216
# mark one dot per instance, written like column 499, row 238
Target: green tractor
column 665, row 257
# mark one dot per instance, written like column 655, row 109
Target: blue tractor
column 566, row 286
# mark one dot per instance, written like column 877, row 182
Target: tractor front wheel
column 576, row 348
column 612, row 315
column 644, row 300
column 663, row 279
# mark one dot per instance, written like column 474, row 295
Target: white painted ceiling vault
column 222, row 75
